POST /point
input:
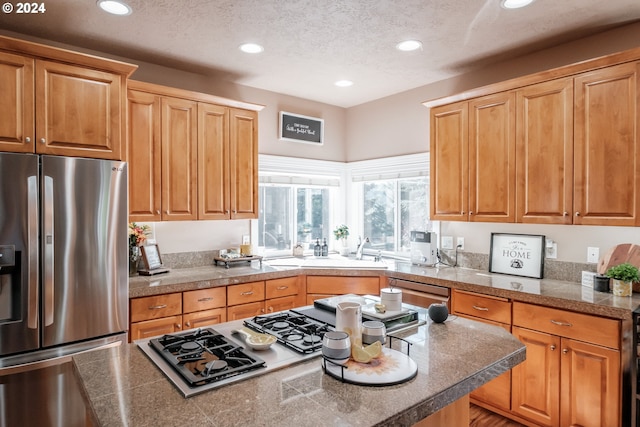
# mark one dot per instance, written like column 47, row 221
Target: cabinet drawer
column 156, row 307
column 244, row 293
column 204, row 299
column 340, row 285
column 482, row 306
column 282, row 287
column 582, row 327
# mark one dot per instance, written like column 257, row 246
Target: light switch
column 593, row 254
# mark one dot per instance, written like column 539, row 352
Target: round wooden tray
column 393, row 367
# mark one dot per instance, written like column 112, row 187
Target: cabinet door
column 449, row 162
column 590, row 385
column 144, row 156
column 606, row 147
column 244, row 311
column 78, row 111
column 153, row 328
column 544, row 143
column 17, row 126
column 179, row 159
column 281, row 304
column 492, row 158
column 535, row 388
column 340, row 285
column 243, row 158
column 213, row 162
column 204, row 318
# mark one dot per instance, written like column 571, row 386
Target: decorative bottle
column 317, row 251
column 325, row 248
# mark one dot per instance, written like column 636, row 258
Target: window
column 392, row 209
column 299, row 203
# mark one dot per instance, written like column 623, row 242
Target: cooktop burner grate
column 297, row 331
column 204, row 356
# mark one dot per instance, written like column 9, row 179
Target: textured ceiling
column 309, row 44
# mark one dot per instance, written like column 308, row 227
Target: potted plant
column 622, row 278
column 341, row 233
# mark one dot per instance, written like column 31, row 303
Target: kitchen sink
column 333, row 261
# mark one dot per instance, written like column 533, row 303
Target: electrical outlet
column 593, row 254
column 446, row 242
column 460, row 244
column 552, row 250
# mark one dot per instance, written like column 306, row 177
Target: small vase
column 620, row 288
column 134, row 257
column 344, row 246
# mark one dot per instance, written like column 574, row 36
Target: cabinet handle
column 282, row 288
column 577, row 213
column 158, row 307
column 227, row 212
column 555, row 322
column 462, row 213
column 470, row 212
column 270, row 309
column 480, row 308
column 247, row 293
column 553, row 347
column 43, row 141
column 565, row 350
column 565, row 213
column 188, row 324
column 27, row 139
column 158, row 212
column 235, row 211
column 205, row 299
column 262, row 310
column 178, row 326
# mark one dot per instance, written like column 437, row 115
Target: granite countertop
column 552, row 293
column 453, row 358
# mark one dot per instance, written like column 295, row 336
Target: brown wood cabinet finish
column 243, row 170
column 155, row 327
column 204, row 299
column 213, row 162
column 204, row 318
column 449, row 162
column 144, row 154
column 17, row 123
column 179, row 159
column 492, row 158
column 155, row 307
column 325, row 286
column 544, row 147
column 607, row 168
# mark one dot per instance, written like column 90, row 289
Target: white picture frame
column 517, row 254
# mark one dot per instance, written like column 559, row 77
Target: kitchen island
column 125, row 388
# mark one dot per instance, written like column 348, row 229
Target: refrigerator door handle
column 48, row 251
column 33, row 262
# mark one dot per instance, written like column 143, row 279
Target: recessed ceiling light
column 116, row 7
column 343, row 83
column 515, row 4
column 251, row 48
column 409, row 45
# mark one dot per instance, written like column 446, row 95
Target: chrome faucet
column 361, row 245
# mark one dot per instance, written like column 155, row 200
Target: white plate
column 393, row 367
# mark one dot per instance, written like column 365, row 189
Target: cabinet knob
column 270, row 309
column 158, row 212
column 227, row 212
column 577, row 213
column 462, row 213
column 43, row 141
column 553, row 347
column 27, row 139
column 235, row 211
column 470, row 212
column 178, row 326
column 565, row 213
column 188, row 324
column 565, row 350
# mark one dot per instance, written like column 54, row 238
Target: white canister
column 391, row 298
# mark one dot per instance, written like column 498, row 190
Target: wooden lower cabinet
column 319, row 287
column 243, row 311
column 566, row 380
column 495, row 311
column 152, row 328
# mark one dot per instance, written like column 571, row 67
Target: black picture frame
column 299, row 128
column 517, row 254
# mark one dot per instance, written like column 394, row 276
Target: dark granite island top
column 453, row 358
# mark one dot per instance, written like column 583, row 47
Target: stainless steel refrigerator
column 63, row 255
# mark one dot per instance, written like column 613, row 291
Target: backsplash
column 556, row 270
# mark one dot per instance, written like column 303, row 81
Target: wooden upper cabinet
column 179, row 159
column 606, row 162
column 449, row 162
column 492, row 158
column 17, row 125
column 544, row 146
column 144, row 156
column 213, row 162
column 78, row 111
column 243, row 170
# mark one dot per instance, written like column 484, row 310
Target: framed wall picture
column 517, row 254
column 297, row 128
